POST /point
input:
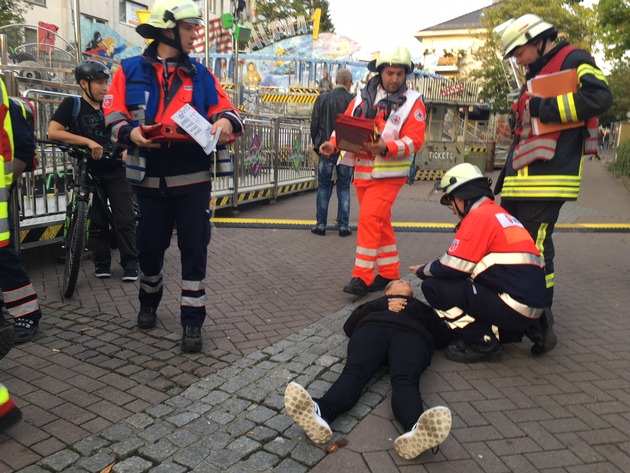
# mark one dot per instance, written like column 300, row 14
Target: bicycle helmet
column 393, row 57
column 526, row 29
column 91, row 70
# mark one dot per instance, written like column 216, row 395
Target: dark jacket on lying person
column 416, row 317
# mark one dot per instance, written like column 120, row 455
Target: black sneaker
column 547, row 340
column 7, row 337
column 130, row 274
column 25, row 329
column 191, row 341
column 473, row 352
column 379, row 284
column 102, row 271
column 344, row 232
column 147, row 317
column 357, row 287
column 319, row 230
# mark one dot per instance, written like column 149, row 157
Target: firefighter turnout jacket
column 146, row 91
column 549, row 166
column 492, row 248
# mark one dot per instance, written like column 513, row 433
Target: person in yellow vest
column 544, row 171
column 16, row 141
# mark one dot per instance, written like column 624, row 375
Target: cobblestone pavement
column 95, row 391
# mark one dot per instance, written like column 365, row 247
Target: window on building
column 127, row 12
column 41, row 3
column 93, row 19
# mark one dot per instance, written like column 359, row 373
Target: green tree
column 619, row 82
column 574, row 22
column 12, row 13
column 613, row 21
column 281, row 9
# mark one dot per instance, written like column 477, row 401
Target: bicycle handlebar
column 74, row 150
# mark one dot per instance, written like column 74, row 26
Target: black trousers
column 114, row 187
column 407, row 355
column 539, row 219
column 189, row 214
column 16, row 291
column 483, row 306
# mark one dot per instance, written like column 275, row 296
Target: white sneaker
column 305, row 412
column 432, row 428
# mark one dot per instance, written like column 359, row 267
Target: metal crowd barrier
column 274, row 157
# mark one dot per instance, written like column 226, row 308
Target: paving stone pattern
column 95, row 391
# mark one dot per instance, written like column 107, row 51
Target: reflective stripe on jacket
column 6, row 164
column 136, row 96
column 549, row 167
column 492, row 248
column 403, row 133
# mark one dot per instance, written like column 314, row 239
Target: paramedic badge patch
column 419, row 116
column 454, row 245
column 108, row 101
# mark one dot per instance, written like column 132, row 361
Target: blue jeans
column 324, row 190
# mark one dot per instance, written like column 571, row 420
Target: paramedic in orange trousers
column 382, row 167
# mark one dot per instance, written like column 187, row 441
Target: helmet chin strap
column 175, row 42
column 88, row 92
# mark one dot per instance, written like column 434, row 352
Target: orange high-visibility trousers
column 376, row 242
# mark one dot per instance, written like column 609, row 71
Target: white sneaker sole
column 432, row 428
column 299, row 405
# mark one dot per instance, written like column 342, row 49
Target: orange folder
column 352, row 132
column 552, row 85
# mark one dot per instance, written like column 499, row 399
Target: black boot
column 191, row 341
column 546, row 340
column 147, row 317
column 379, row 284
column 7, row 336
column 466, row 352
column 357, row 287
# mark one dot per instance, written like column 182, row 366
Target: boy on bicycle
column 85, row 126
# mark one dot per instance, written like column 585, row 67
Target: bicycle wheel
column 75, row 243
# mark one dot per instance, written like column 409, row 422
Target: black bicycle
column 76, row 229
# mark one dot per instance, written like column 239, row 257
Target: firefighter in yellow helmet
column 544, row 171
column 170, row 172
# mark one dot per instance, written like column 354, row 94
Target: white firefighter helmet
column 456, row 177
column 166, row 13
column 398, row 56
column 516, row 33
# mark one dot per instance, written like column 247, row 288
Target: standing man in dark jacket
column 327, row 106
column 544, row 171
